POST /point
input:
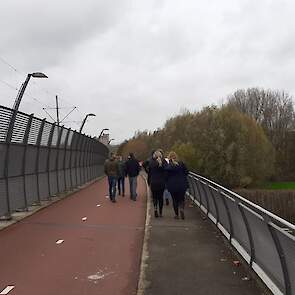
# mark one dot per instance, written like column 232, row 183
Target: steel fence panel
column 43, row 186
column 5, row 117
column 211, row 202
column 61, row 180
column 3, row 152
column 223, row 216
column 31, row 159
column 31, row 188
column 287, row 245
column 16, row 192
column 266, row 255
column 53, row 183
column 3, row 198
column 262, row 238
column 15, row 160
column 239, row 231
column 39, row 159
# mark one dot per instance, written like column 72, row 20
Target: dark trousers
column 178, row 201
column 121, row 185
column 158, row 200
column 112, row 187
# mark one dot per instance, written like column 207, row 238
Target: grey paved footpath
column 190, row 256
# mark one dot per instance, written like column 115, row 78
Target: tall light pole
column 23, row 88
column 84, row 121
column 104, row 129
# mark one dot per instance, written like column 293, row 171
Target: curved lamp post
column 84, row 121
column 23, row 88
column 111, row 140
column 104, row 129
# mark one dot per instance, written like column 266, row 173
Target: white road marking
column 59, row 241
column 7, row 290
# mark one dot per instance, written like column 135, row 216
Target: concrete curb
column 142, row 282
column 18, row 216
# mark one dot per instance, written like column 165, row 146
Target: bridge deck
column 98, row 256
column 101, row 255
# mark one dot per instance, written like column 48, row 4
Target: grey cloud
column 134, row 63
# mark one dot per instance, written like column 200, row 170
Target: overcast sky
column 136, row 63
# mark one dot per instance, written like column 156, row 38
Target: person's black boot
column 156, row 214
column 182, row 214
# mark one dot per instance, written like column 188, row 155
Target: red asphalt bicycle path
column 98, row 256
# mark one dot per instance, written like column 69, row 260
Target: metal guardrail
column 39, row 159
column 264, row 240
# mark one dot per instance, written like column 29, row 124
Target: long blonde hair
column 158, row 156
column 173, row 158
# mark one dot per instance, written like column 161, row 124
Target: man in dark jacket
column 111, row 170
column 132, row 170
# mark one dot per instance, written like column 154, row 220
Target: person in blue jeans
column 121, row 176
column 111, row 170
column 132, row 170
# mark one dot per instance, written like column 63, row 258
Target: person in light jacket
column 177, row 183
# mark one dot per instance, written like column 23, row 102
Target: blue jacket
column 177, row 177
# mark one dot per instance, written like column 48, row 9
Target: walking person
column 111, row 170
column 132, row 170
column 121, row 176
column 146, row 167
column 157, row 181
column 167, row 194
column 177, row 183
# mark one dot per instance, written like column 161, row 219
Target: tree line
column 248, row 139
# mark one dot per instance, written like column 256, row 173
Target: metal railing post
column 71, row 156
column 250, row 237
column 48, row 158
column 199, row 191
column 7, row 216
column 39, row 138
column 281, row 255
column 64, row 159
column 60, row 131
column 215, row 204
column 231, row 227
column 25, row 142
column 206, row 197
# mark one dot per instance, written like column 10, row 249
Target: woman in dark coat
column 177, row 183
column 157, row 176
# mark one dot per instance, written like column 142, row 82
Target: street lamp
column 23, row 88
column 104, row 129
column 83, row 123
column 111, row 140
